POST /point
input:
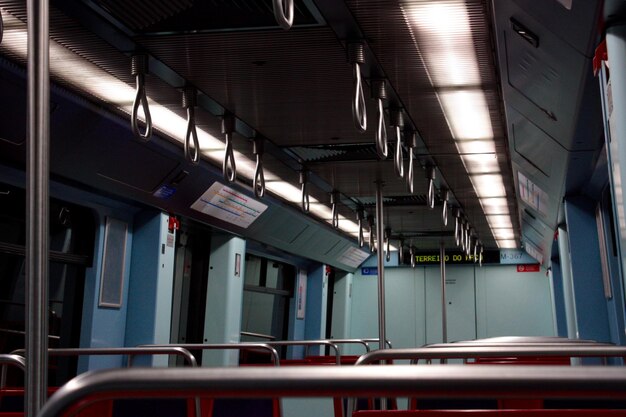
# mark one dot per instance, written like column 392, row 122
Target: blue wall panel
column 589, row 300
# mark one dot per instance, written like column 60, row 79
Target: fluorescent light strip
column 91, row 79
column 500, row 221
column 451, row 62
column 507, row 244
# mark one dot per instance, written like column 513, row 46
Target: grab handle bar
column 379, row 93
column 192, row 153
column 225, row 346
column 305, row 200
column 229, row 168
column 139, row 69
column 283, row 12
column 259, row 177
column 356, row 57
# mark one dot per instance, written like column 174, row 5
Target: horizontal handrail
column 225, row 346
column 351, row 341
column 309, row 343
column 436, row 381
column 130, row 351
column 492, row 352
column 528, row 339
column 377, row 340
column 259, row 335
column 10, row 360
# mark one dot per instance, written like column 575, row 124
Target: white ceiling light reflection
column 481, row 163
column 489, row 185
column 500, row 222
column 467, row 114
column 507, row 244
column 495, row 205
column 443, row 26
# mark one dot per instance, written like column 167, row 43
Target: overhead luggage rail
column 437, row 381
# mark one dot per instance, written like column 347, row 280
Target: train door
column 191, row 274
column 460, row 304
column 268, row 287
column 72, row 233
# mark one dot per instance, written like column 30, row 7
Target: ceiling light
column 467, row 114
column 481, row 163
column 444, row 26
column 507, row 244
column 488, row 185
column 495, row 205
column 500, row 221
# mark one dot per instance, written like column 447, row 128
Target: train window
column 72, row 234
column 267, row 290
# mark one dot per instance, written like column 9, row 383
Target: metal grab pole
column 444, row 319
column 37, row 177
column 380, row 232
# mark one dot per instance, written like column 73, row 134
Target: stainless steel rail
column 308, row 343
column 131, row 352
column 251, row 346
column 259, row 335
column 429, row 353
column 10, row 360
column 376, row 340
column 351, row 341
column 436, row 381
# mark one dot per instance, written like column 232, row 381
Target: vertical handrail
column 444, row 319
column 37, row 186
column 381, row 266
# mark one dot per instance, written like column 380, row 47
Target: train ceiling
column 294, row 88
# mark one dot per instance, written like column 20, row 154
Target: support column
column 444, row 309
column 222, row 320
column 380, row 233
column 149, row 315
column 37, row 188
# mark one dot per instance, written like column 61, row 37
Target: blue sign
column 164, row 192
column 369, row 271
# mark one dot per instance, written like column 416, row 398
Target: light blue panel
column 342, row 300
column 297, row 326
column 151, row 284
column 316, row 298
column 104, row 327
column 222, row 320
column 460, row 305
column 590, row 304
column 511, row 303
column 364, row 312
column 515, row 257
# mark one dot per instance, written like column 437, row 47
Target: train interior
column 308, row 182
